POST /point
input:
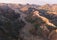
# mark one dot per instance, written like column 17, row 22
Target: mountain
column 28, row 22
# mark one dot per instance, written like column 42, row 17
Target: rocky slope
column 28, row 22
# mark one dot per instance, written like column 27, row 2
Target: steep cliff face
column 10, row 24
